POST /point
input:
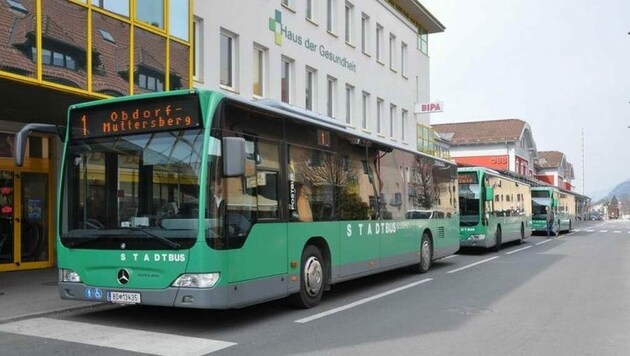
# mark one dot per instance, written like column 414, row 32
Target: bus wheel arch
column 314, row 274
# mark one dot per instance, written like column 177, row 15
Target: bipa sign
column 428, row 108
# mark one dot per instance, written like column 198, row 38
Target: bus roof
column 493, row 173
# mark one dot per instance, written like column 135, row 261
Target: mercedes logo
column 123, row 276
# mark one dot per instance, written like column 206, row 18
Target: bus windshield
column 469, row 213
column 138, row 190
column 539, row 208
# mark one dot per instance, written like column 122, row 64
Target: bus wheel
column 497, row 246
column 426, row 251
column 311, row 279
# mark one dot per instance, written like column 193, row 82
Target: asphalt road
column 566, row 296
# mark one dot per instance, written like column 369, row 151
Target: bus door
column 25, row 198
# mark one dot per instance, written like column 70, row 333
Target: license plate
column 123, row 297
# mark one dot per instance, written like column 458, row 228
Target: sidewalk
column 34, row 292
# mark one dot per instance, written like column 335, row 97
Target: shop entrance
column 25, row 214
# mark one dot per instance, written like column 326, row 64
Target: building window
column 151, row 12
column 392, row 120
column 365, row 109
column 285, row 79
column 403, row 59
column 55, row 58
column 349, row 103
column 309, row 88
column 379, row 43
column 17, row 6
column 423, row 40
column 365, row 32
column 403, row 124
column 330, row 15
column 227, row 60
column 331, row 96
column 120, row 7
column 349, row 22
column 426, row 139
column 178, row 18
column 379, row 115
column 310, row 10
column 259, row 63
column 197, row 49
column 149, row 82
column 106, row 35
column 392, row 51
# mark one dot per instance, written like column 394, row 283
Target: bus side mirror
column 233, row 156
column 22, row 136
column 489, row 194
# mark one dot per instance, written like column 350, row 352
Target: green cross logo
column 275, row 26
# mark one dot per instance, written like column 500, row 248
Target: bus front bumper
column 475, row 241
column 201, row 298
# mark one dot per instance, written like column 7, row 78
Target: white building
column 364, row 62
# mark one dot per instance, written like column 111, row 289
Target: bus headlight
column 68, row 275
column 197, row 280
column 477, row 237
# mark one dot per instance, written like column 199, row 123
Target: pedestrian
column 550, row 219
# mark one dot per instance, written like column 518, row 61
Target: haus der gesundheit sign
column 282, row 32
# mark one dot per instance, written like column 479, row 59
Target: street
column 563, row 296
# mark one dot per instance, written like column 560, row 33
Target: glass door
column 34, row 217
column 25, row 202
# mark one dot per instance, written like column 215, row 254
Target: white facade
column 369, row 90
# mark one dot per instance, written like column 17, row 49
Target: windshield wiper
column 162, row 239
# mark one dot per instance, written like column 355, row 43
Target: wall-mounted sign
column 136, row 116
column 428, row 108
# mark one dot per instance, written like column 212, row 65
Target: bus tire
column 499, row 240
column 311, row 279
column 426, row 253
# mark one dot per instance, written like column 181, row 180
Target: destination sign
column 136, row 117
column 467, row 178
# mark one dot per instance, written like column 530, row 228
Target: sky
column 563, row 66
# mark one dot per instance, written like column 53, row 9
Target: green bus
column 493, row 208
column 198, row 199
column 562, row 203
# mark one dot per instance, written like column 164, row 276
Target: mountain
column 621, row 192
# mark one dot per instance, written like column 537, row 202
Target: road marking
column 617, row 232
column 133, row 340
column 603, row 230
column 473, row 264
column 589, row 230
column 359, row 302
column 543, row 242
column 520, row 249
column 451, row 256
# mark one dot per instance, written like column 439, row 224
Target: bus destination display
column 467, row 178
column 136, row 117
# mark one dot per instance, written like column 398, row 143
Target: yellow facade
column 57, row 52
